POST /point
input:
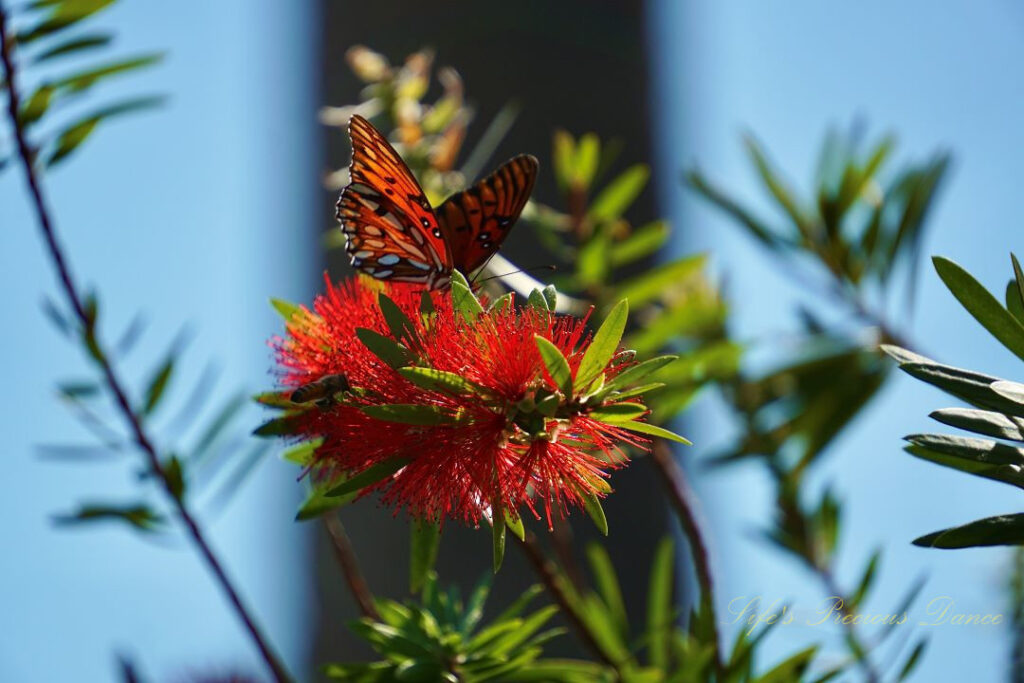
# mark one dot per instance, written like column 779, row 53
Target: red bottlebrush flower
column 474, row 419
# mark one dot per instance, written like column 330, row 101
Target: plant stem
column 111, row 379
column 681, row 495
column 552, row 580
column 346, row 556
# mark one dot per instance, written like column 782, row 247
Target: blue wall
column 196, row 213
column 939, row 75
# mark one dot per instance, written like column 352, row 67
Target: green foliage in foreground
column 997, row 412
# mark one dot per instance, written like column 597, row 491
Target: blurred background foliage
column 854, row 241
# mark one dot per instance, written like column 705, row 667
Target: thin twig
column 681, row 496
column 111, row 379
column 346, row 556
column 552, row 581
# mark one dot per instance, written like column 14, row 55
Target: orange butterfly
column 393, row 233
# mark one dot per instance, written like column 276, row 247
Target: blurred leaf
column 716, row 196
column 604, row 344
column 913, row 660
column 1001, row 530
column 563, row 156
column 72, row 137
column 303, row 454
column 588, row 154
column 635, row 373
column 138, row 515
column 426, row 538
column 37, row 104
column 618, row 412
column 88, row 78
column 653, row 283
column 866, row 581
column 368, row 477
column 792, row 669
column 174, row 475
column 982, row 305
column 643, row 242
column 515, row 525
column 61, row 16
column 498, row 535
column 608, row 587
column 285, row 309
column 287, row 425
column 74, row 46
column 776, row 186
column 158, row 384
column 620, row 193
column 659, row 604
column 556, row 365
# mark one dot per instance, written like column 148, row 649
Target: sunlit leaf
column 604, row 344
column 1000, row 530
column 556, row 364
column 620, row 193
column 982, row 305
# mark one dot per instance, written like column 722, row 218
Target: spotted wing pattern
column 476, row 221
column 392, row 232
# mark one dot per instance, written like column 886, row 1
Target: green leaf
column 390, row 352
column 285, row 309
column 604, row 344
column 1014, row 304
column 536, row 300
column 158, row 384
column 791, row 669
column 288, row 425
column 1000, row 530
column 63, row 15
column 659, row 604
column 639, row 371
column 588, row 153
column 503, row 303
column 439, row 380
column 775, row 185
column 73, row 46
column 515, row 525
column 302, row 455
column 72, row 137
column 646, row 428
column 318, row 503
column 618, row 412
column 1018, row 278
column 653, row 283
column 980, row 457
column 138, row 515
column 37, row 104
column 88, row 78
column 556, row 364
column 608, row 587
column 912, row 661
column 426, row 538
column 402, row 329
column 644, row 241
column 620, row 193
column 866, row 581
column 368, row 477
column 563, row 158
column 463, row 299
column 982, row 422
column 413, row 414
column 741, row 215
column 592, row 504
column 982, row 305
column 175, row 476
column 550, row 296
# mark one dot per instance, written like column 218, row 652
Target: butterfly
column 392, row 232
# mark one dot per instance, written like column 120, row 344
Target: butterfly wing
column 477, row 220
column 392, row 233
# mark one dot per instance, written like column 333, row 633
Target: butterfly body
column 392, row 232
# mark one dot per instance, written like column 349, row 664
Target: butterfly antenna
column 549, row 266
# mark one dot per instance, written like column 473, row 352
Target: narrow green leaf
column 498, row 539
column 287, row 425
column 608, row 586
column 86, row 79
column 563, row 157
column 138, row 515
column 912, row 661
column 982, row 305
column 425, row 540
column 1014, row 304
column 302, row 455
column 158, row 385
column 318, row 503
column 644, row 241
column 63, row 15
column 285, row 309
column 556, row 364
column 639, row 371
column 646, row 428
column 982, row 422
column 1000, row 530
column 390, row 352
column 37, row 104
column 73, row 46
column 592, row 504
column 653, row 283
column 604, row 344
column 659, row 604
column 402, row 329
column 368, row 477
column 696, row 180
column 588, row 153
column 412, row 414
column 620, row 193
column 175, row 476
column 72, row 137
column 1018, row 277
column 515, row 525
column 615, row 413
column 1012, row 391
column 439, row 380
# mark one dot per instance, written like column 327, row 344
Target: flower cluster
column 451, row 410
